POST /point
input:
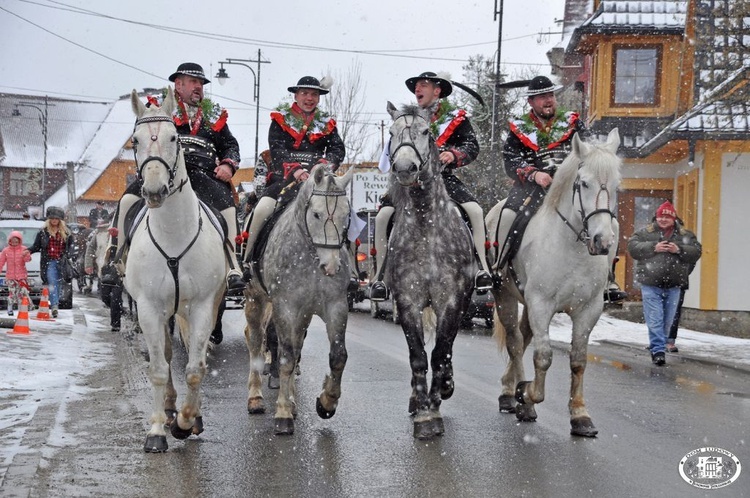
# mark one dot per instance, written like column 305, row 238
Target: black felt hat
column 190, row 69
column 540, row 85
column 310, row 82
column 55, row 212
column 446, row 88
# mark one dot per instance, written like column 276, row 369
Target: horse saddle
column 262, row 241
column 137, row 212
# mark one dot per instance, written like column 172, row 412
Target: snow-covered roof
column 642, row 13
column 106, row 146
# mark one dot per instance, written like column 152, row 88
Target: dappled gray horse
column 430, row 266
column 304, row 271
column 562, row 265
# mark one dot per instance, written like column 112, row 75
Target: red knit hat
column 666, row 209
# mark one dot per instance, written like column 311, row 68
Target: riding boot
column 254, row 224
column 235, row 284
column 507, row 218
column 378, row 289
column 483, row 279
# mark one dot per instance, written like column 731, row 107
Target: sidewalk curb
column 688, row 356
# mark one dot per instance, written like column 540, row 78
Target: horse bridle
column 410, row 144
column 341, row 235
column 171, row 170
column 583, row 234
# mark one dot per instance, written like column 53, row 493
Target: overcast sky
column 103, row 49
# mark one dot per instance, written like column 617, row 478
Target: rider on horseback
column 300, row 136
column 538, row 142
column 458, row 147
column 212, row 156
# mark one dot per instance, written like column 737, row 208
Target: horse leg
column 580, row 421
column 335, row 327
column 507, row 333
column 411, row 323
column 255, row 307
column 290, row 336
column 442, row 386
column 272, row 341
column 170, row 399
column 530, row 393
column 158, row 372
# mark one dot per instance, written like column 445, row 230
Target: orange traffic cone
column 43, row 313
column 22, row 322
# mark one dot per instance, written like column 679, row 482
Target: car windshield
column 29, row 233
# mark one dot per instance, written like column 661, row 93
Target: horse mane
column 597, row 159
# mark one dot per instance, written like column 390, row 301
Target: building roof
column 71, row 125
column 640, row 14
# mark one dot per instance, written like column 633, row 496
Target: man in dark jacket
column 300, row 136
column 664, row 253
column 458, row 146
column 98, row 214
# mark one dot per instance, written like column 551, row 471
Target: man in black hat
column 97, row 214
column 458, row 147
column 300, row 136
column 538, row 142
column 212, row 156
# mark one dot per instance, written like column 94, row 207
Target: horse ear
column 318, row 172
column 613, row 141
column 579, row 148
column 138, row 107
column 343, row 181
column 391, row 110
column 169, row 103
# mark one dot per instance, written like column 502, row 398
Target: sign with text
column 366, row 189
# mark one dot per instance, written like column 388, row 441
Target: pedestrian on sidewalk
column 664, row 252
column 15, row 256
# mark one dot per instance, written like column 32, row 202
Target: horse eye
column 425, row 132
column 584, row 184
column 135, row 141
column 316, row 215
column 174, row 138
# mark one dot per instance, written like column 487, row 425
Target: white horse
column 304, row 271
column 175, row 266
column 562, row 265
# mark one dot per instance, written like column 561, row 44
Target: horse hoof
column 446, row 390
column 255, row 406
column 155, row 444
column 322, row 412
column 283, row 426
column 412, row 405
column 198, row 426
column 273, row 382
column 171, row 416
column 424, row 430
column 438, row 427
column 178, row 432
column 583, row 427
column 526, row 413
column 507, row 403
column 520, row 388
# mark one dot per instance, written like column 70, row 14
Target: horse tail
column 184, row 328
column 498, row 331
column 429, row 324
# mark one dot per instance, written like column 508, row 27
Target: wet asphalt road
column 648, row 418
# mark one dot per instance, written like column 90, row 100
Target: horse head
column 412, row 148
column 157, row 149
column 592, row 173
column 325, row 212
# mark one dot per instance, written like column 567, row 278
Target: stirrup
column 483, row 281
column 235, row 284
column 378, row 291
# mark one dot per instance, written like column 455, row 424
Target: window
column 636, row 72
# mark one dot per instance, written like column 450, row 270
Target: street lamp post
column 43, row 120
column 222, row 76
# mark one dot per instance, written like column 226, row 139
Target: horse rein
column 340, row 233
column 172, row 170
column 583, row 234
column 410, row 144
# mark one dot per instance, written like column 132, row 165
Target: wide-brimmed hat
column 190, row 69
column 55, row 212
column 446, row 88
column 313, row 83
column 540, row 85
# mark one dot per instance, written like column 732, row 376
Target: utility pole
column 72, row 207
column 498, row 17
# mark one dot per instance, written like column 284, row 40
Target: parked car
column 29, row 229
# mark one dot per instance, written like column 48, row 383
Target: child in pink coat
column 16, row 257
